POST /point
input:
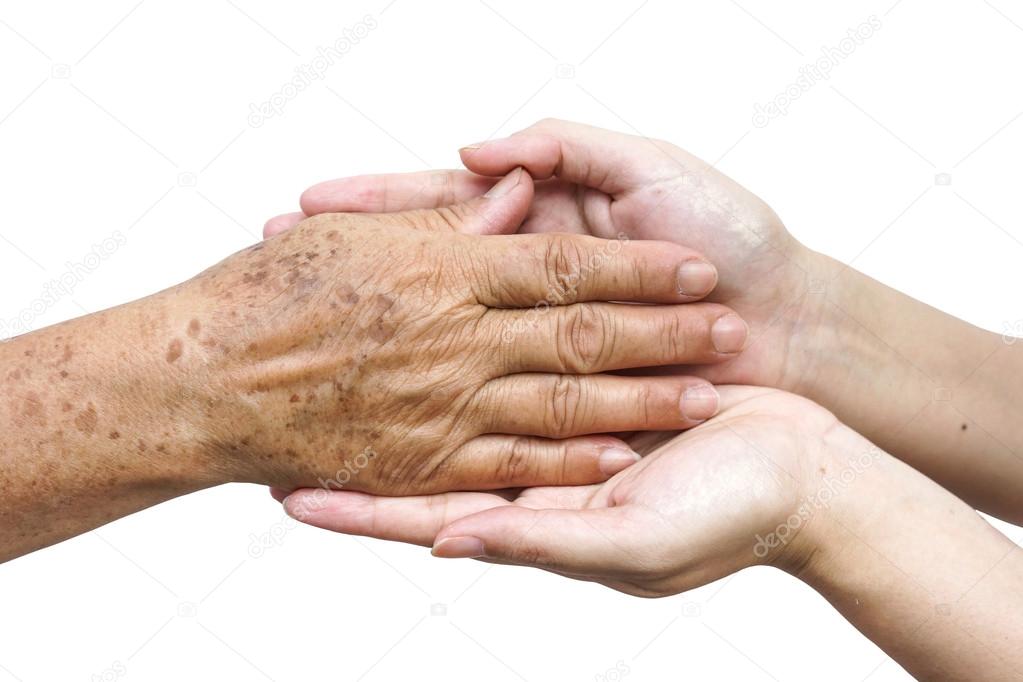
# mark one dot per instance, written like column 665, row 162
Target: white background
column 133, row 117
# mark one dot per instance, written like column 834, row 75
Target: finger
column 494, row 461
column 557, row 269
column 500, row 210
column 566, row 405
column 414, row 519
column 602, row 541
column 604, row 160
column 280, row 223
column 587, row 338
column 279, row 494
column 394, row 192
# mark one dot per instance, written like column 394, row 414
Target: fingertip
column 503, row 207
column 729, row 334
column 319, row 197
column 279, row 494
column 458, row 547
column 696, row 278
column 614, row 460
column 281, row 223
column 700, row 402
column 302, row 504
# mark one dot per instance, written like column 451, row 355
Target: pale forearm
column 923, row 576
column 933, row 390
column 96, row 425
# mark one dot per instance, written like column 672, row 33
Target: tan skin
column 908, row 563
column 933, row 390
column 392, row 354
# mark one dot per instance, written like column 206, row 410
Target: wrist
column 876, row 516
column 154, row 378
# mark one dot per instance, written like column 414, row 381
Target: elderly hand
column 392, row 354
column 605, row 184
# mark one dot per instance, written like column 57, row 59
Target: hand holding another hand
column 737, row 491
column 436, row 360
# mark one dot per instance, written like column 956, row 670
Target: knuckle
column 585, row 338
column 565, row 405
column 562, row 262
column 674, row 339
column 519, row 462
column 646, row 399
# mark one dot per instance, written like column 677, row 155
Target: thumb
column 585, row 541
column 500, row 211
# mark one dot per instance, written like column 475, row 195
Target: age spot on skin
column 194, row 327
column 382, row 303
column 258, row 278
column 33, row 410
column 114, row 435
column 174, row 350
column 86, row 420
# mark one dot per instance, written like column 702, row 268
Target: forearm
column 935, row 391
column 922, row 575
column 98, row 424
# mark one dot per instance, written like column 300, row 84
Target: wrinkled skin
column 392, row 354
column 605, row 183
column 695, row 509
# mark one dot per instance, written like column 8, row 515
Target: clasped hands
column 588, row 352
column 612, row 218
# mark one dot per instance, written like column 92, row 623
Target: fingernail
column 458, row 547
column 613, row 460
column 471, row 147
column 728, row 335
column 699, row 402
column 696, row 278
column 505, row 185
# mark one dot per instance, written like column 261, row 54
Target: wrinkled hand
column 391, row 354
column 742, row 489
column 605, row 183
